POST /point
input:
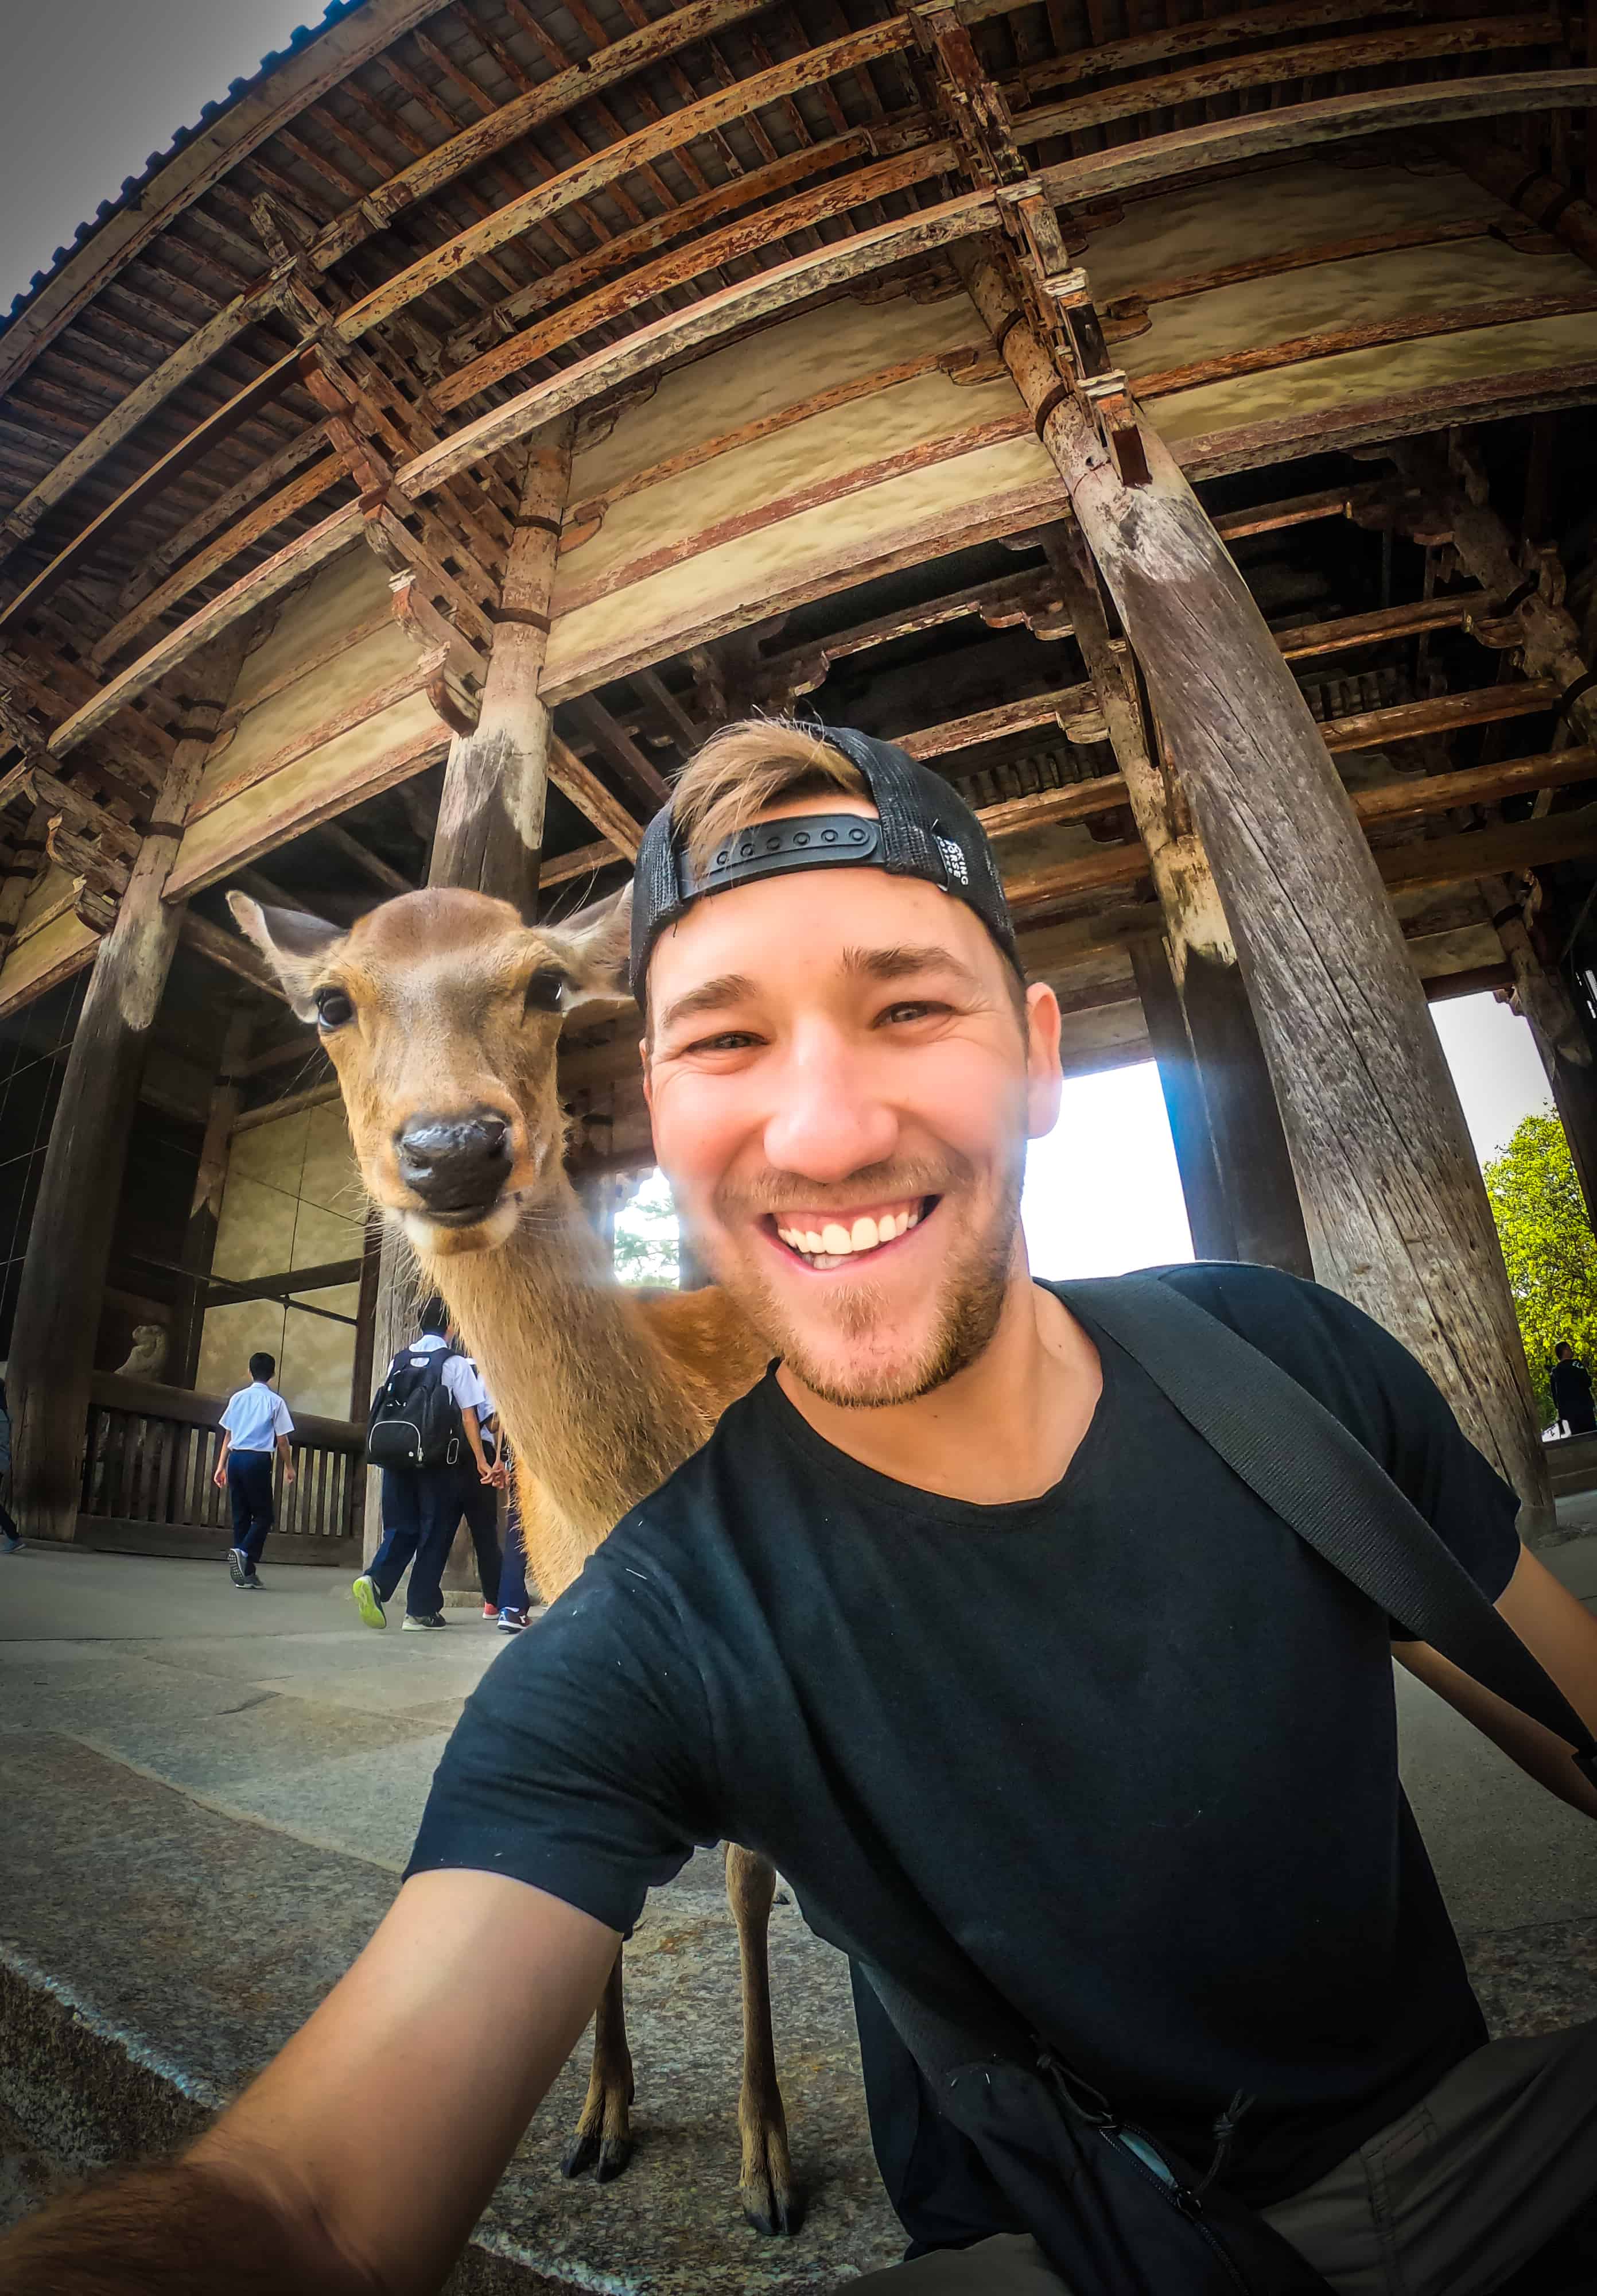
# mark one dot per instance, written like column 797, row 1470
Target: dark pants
column 479, row 1504
column 249, row 1493
column 513, row 1573
column 420, row 1507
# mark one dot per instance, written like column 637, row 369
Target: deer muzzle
column 456, row 1165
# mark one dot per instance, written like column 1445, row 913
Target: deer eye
column 333, row 1008
column 544, row 991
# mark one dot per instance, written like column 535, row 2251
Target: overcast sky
column 90, row 88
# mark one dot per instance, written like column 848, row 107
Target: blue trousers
column 479, row 1504
column 249, row 1495
column 420, row 1507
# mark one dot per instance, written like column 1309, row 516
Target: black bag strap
column 1300, row 1460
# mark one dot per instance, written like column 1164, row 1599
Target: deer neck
column 595, row 1408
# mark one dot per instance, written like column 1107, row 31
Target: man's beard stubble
column 971, row 1290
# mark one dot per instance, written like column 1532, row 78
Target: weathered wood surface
column 1391, row 1192
column 1270, row 67
column 578, row 782
column 1490, row 852
column 731, row 244
column 68, row 1242
column 706, row 321
column 1541, row 198
column 1222, row 1092
column 1186, row 1109
column 211, row 1179
column 1073, row 709
column 1365, row 334
column 616, row 160
column 1303, row 126
column 490, row 826
column 1446, row 713
column 1436, row 232
column 1216, row 31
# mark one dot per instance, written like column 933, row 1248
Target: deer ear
column 295, row 946
column 596, row 947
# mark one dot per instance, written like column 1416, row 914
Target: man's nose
column 455, row 1163
column 829, row 1120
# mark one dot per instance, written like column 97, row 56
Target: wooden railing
column 152, row 1452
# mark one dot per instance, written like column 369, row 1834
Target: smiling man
column 1053, row 1724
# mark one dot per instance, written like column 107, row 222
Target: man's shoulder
column 707, row 1499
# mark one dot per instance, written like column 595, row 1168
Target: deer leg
column 603, row 2137
column 765, row 2184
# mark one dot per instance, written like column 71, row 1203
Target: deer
column 441, row 1013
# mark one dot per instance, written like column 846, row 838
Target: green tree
column 1548, row 1246
column 645, row 1235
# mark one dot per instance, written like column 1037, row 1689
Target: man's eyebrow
column 709, row 996
column 903, row 961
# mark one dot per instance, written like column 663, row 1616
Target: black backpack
column 414, row 1420
column 978, row 2124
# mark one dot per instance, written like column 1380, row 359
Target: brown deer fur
column 603, row 1392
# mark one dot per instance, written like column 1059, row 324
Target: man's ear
column 596, row 948
column 296, row 947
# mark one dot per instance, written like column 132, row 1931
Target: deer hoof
column 772, row 2202
column 614, row 2154
column 580, row 2154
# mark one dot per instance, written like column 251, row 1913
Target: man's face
column 842, row 1091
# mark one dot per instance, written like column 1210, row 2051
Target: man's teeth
column 834, row 1241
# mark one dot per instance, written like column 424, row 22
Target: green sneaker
column 367, row 1601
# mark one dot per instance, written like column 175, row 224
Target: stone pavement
column 205, row 1798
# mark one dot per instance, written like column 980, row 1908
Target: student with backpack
column 423, row 1433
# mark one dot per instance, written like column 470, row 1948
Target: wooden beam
column 583, row 860
column 734, row 243
column 381, row 872
column 489, row 834
column 646, row 784
column 1073, row 709
column 588, row 795
column 600, row 371
column 1411, row 799
column 1275, row 67
column 615, row 60
column 1186, row 39
column 1410, row 721
column 269, row 384
column 1299, row 128
column 1437, row 231
column 229, row 951
column 1367, row 334
column 1350, row 631
column 656, row 141
column 1491, row 852
column 1073, row 801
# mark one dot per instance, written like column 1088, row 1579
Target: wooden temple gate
column 1172, row 423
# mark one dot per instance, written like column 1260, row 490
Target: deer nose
column 456, row 1164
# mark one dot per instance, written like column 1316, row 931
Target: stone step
column 155, row 1952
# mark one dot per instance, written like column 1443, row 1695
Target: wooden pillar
column 1392, row 1196
column 69, row 1243
column 205, row 1211
column 490, row 824
column 1209, row 1215
column 1228, row 1096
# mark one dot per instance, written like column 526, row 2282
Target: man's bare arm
column 359, row 2161
column 1562, row 1632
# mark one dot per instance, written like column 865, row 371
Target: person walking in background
column 482, row 1478
column 11, row 1538
column 513, row 1570
column 423, row 1429
column 1571, row 1385
column 255, row 1424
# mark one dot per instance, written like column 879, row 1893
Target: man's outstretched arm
column 1558, row 1630
column 359, row 2161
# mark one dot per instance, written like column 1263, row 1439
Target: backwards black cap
column 923, row 829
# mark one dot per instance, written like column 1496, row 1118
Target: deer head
column 441, row 1012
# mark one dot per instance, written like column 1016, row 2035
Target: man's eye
column 921, row 1010
column 544, row 991
column 333, row 1008
column 730, row 1040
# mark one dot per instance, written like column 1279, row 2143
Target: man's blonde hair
column 742, row 771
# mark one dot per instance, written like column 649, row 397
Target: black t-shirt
column 1129, row 1747
column 1571, row 1384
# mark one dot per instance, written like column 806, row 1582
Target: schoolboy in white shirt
column 255, row 1421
